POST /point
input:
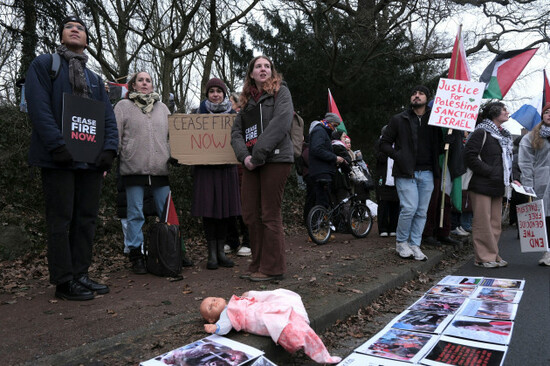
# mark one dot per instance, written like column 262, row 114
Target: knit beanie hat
column 75, row 19
column 422, row 89
column 332, row 118
column 546, row 106
column 216, row 82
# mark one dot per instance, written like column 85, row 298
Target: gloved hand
column 448, row 139
column 61, row 156
column 173, row 161
column 105, row 160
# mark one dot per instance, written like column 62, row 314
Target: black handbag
column 163, row 250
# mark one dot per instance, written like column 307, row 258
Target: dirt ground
column 35, row 324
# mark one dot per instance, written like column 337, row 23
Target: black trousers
column 72, row 203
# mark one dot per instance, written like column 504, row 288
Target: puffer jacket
column 487, row 171
column 143, row 147
column 274, row 144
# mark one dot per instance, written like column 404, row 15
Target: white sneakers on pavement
column 404, row 250
column 545, row 260
column 383, row 234
column 487, row 264
column 418, row 255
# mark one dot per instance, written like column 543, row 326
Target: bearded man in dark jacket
column 414, row 146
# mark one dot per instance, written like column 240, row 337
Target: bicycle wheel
column 318, row 225
column 360, row 220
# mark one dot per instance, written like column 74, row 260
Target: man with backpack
column 71, row 187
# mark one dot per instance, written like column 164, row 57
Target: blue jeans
column 414, row 196
column 135, row 217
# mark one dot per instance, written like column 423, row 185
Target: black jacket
column 402, row 133
column 322, row 159
column 488, row 172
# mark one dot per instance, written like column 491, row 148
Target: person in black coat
column 322, row 159
column 488, row 153
column 386, row 194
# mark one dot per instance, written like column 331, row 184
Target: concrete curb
column 323, row 312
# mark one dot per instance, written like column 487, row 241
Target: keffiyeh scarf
column 504, row 138
column 544, row 131
column 145, row 102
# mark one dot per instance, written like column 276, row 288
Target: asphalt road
column 531, row 334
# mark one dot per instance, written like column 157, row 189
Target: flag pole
column 449, row 132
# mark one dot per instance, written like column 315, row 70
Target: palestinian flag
column 503, row 71
column 332, row 108
column 170, row 216
column 459, row 68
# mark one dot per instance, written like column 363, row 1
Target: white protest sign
column 532, row 227
column 456, row 104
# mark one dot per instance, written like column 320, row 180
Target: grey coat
column 535, row 169
column 274, row 144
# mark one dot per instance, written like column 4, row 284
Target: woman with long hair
column 144, row 153
column 261, row 140
column 534, row 163
column 488, row 153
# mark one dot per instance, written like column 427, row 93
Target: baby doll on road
column 279, row 314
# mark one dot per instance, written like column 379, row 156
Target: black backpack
column 163, row 250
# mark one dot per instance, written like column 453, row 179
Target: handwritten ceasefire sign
column 532, row 227
column 202, row 139
column 456, row 104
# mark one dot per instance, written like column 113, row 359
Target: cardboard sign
column 532, row 227
column 202, row 139
column 83, row 125
column 456, row 104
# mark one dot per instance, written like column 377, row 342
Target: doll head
column 211, row 308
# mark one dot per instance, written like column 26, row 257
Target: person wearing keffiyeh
column 488, row 153
column 534, row 162
column 71, row 187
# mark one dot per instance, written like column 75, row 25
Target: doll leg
column 298, row 334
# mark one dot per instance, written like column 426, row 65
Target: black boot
column 212, row 255
column 138, row 261
column 222, row 259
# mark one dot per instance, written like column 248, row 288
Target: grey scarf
column 77, row 63
column 223, row 107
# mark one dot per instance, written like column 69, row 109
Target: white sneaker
column 244, row 252
column 393, row 234
column 487, row 264
column 464, row 232
column 545, row 260
column 459, row 232
column 502, row 263
column 418, row 255
column 226, row 249
column 404, row 250
column 383, row 234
